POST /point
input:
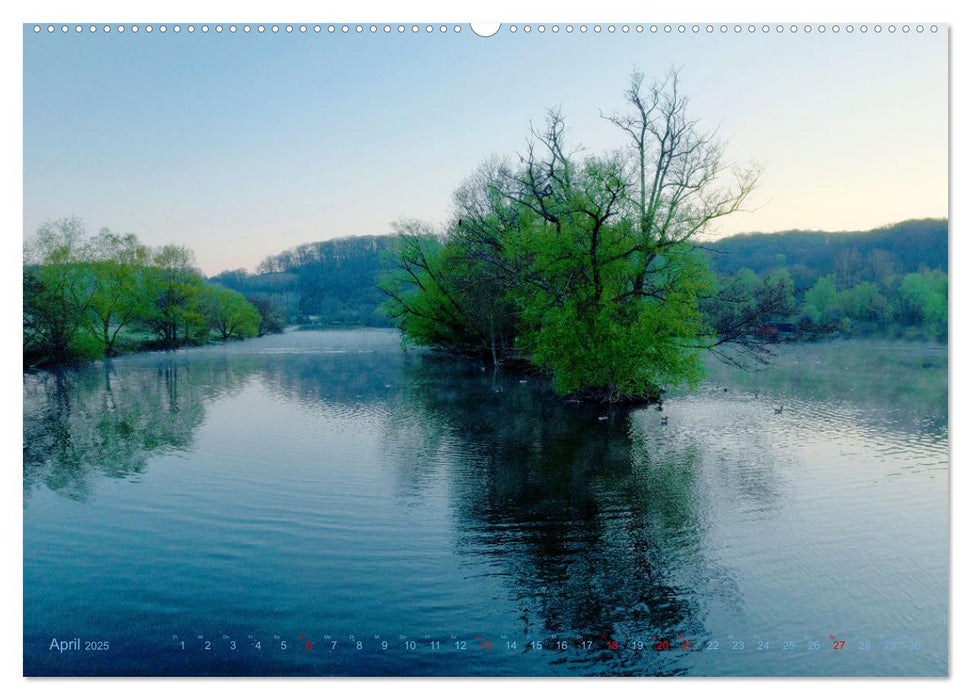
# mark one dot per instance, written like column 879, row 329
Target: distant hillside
column 334, row 282
column 865, row 255
column 329, row 282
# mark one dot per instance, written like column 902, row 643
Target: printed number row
column 560, row 645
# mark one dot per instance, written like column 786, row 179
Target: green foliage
column 745, row 282
column 54, row 290
column 51, row 317
column 613, row 346
column 228, row 314
column 914, row 305
column 579, row 266
column 863, row 302
column 438, row 298
column 86, row 346
column 781, row 278
column 747, row 301
column 116, row 285
column 611, row 352
column 924, row 300
column 282, row 291
column 314, row 281
column 820, row 303
column 175, row 284
column 88, row 297
column 889, row 281
column 330, row 282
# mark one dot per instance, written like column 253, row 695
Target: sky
column 243, row 145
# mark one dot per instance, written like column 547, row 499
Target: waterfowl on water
column 778, row 410
column 664, row 420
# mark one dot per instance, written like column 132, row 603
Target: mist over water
column 331, row 485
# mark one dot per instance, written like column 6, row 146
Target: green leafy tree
column 583, row 266
column 174, row 285
column 117, row 294
column 81, row 293
column 924, row 300
column 444, row 297
column 618, row 349
column 228, row 313
column 863, row 302
column 781, row 278
column 55, row 290
column 820, row 302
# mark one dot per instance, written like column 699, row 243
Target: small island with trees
column 592, row 268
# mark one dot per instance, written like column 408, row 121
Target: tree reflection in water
column 91, row 421
column 592, row 522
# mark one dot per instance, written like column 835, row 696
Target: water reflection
column 341, row 380
column 98, row 421
column 588, row 517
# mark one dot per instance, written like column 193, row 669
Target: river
column 326, row 503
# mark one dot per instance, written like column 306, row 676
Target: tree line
column 890, row 281
column 909, row 306
column 335, row 282
column 852, row 256
column 88, row 296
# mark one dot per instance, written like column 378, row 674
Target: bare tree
column 683, row 184
column 680, row 171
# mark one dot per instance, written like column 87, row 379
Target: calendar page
column 513, row 349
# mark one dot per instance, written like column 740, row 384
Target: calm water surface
column 328, row 487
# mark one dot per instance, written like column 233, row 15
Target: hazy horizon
column 242, row 146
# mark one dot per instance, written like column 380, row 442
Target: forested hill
column 329, row 282
column 334, row 282
column 808, row 255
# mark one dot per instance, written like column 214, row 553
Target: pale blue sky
column 243, row 145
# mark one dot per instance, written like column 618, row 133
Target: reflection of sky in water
column 333, row 483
